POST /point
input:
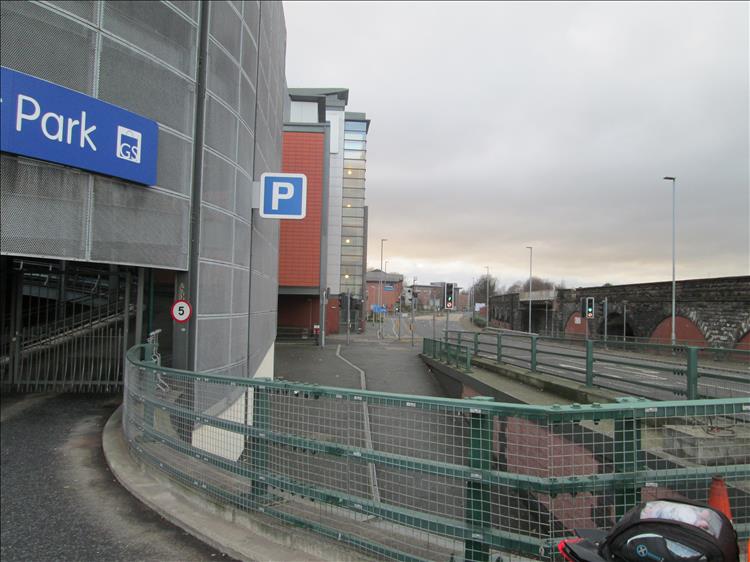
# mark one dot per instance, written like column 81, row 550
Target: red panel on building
column 575, row 325
column 299, row 245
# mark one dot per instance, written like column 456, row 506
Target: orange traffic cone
column 718, row 497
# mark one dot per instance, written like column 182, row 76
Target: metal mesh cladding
column 415, row 478
column 43, row 208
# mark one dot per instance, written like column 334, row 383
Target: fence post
column 476, row 343
column 468, row 360
column 692, row 373
column 533, row 353
column 627, row 444
column 499, row 351
column 259, row 445
column 589, row 363
column 478, row 501
column 458, row 339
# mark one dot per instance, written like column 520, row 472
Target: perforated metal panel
column 43, row 208
column 138, row 225
column 45, row 44
column 175, row 163
column 241, row 287
column 218, row 181
column 216, row 235
column 241, row 243
column 223, row 75
column 156, row 28
column 86, row 9
column 132, row 81
column 225, row 26
column 215, row 289
column 213, row 351
column 221, row 128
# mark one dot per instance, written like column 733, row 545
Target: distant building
column 339, row 228
column 384, row 288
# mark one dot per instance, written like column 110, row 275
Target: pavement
column 58, row 499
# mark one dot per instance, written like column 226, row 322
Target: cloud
column 501, row 125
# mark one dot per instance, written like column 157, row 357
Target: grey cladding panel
column 143, row 86
column 216, row 235
column 223, row 75
column 138, row 225
column 42, row 208
column 175, row 163
column 218, row 181
column 221, row 129
column 37, row 41
column 214, row 289
column 226, row 27
column 213, row 343
column 157, row 29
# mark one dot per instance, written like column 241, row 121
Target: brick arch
column 685, row 330
column 571, row 328
column 744, row 342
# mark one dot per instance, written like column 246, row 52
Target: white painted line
column 366, row 419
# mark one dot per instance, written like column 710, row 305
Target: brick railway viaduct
column 709, row 312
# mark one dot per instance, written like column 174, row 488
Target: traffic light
column 589, row 307
column 449, row 296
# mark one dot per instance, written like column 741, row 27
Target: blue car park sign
column 283, row 196
column 42, row 120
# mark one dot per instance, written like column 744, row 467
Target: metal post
column 139, row 306
column 458, row 338
column 434, row 327
column 348, row 313
column 589, row 363
column 531, row 252
column 533, row 353
column 692, row 373
column 674, row 182
column 499, row 351
column 476, row 343
column 487, row 299
column 126, row 320
column 546, row 302
column 624, row 320
column 259, row 452
column 605, row 319
column 324, row 299
column 478, row 505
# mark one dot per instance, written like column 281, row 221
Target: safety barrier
column 420, row 478
column 632, row 368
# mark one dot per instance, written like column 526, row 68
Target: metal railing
column 419, row 478
column 673, row 372
column 456, row 354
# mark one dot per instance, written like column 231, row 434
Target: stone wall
column 719, row 307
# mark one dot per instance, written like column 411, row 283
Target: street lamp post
column 531, row 251
column 380, row 292
column 674, row 190
column 487, row 298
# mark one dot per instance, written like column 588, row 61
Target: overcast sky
column 497, row 126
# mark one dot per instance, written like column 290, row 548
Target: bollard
column 533, row 353
column 692, row 373
column 499, row 351
column 478, row 514
column 589, row 363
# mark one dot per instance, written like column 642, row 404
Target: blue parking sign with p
column 283, row 196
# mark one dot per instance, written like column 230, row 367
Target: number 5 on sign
column 181, row 311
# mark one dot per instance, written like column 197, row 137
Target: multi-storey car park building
column 343, row 221
column 93, row 260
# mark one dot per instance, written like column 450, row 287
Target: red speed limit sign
column 181, row 311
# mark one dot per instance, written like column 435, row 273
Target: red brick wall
column 299, row 246
column 332, row 316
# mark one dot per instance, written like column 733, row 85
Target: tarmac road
column 58, row 500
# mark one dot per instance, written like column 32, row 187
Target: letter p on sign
column 283, row 196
